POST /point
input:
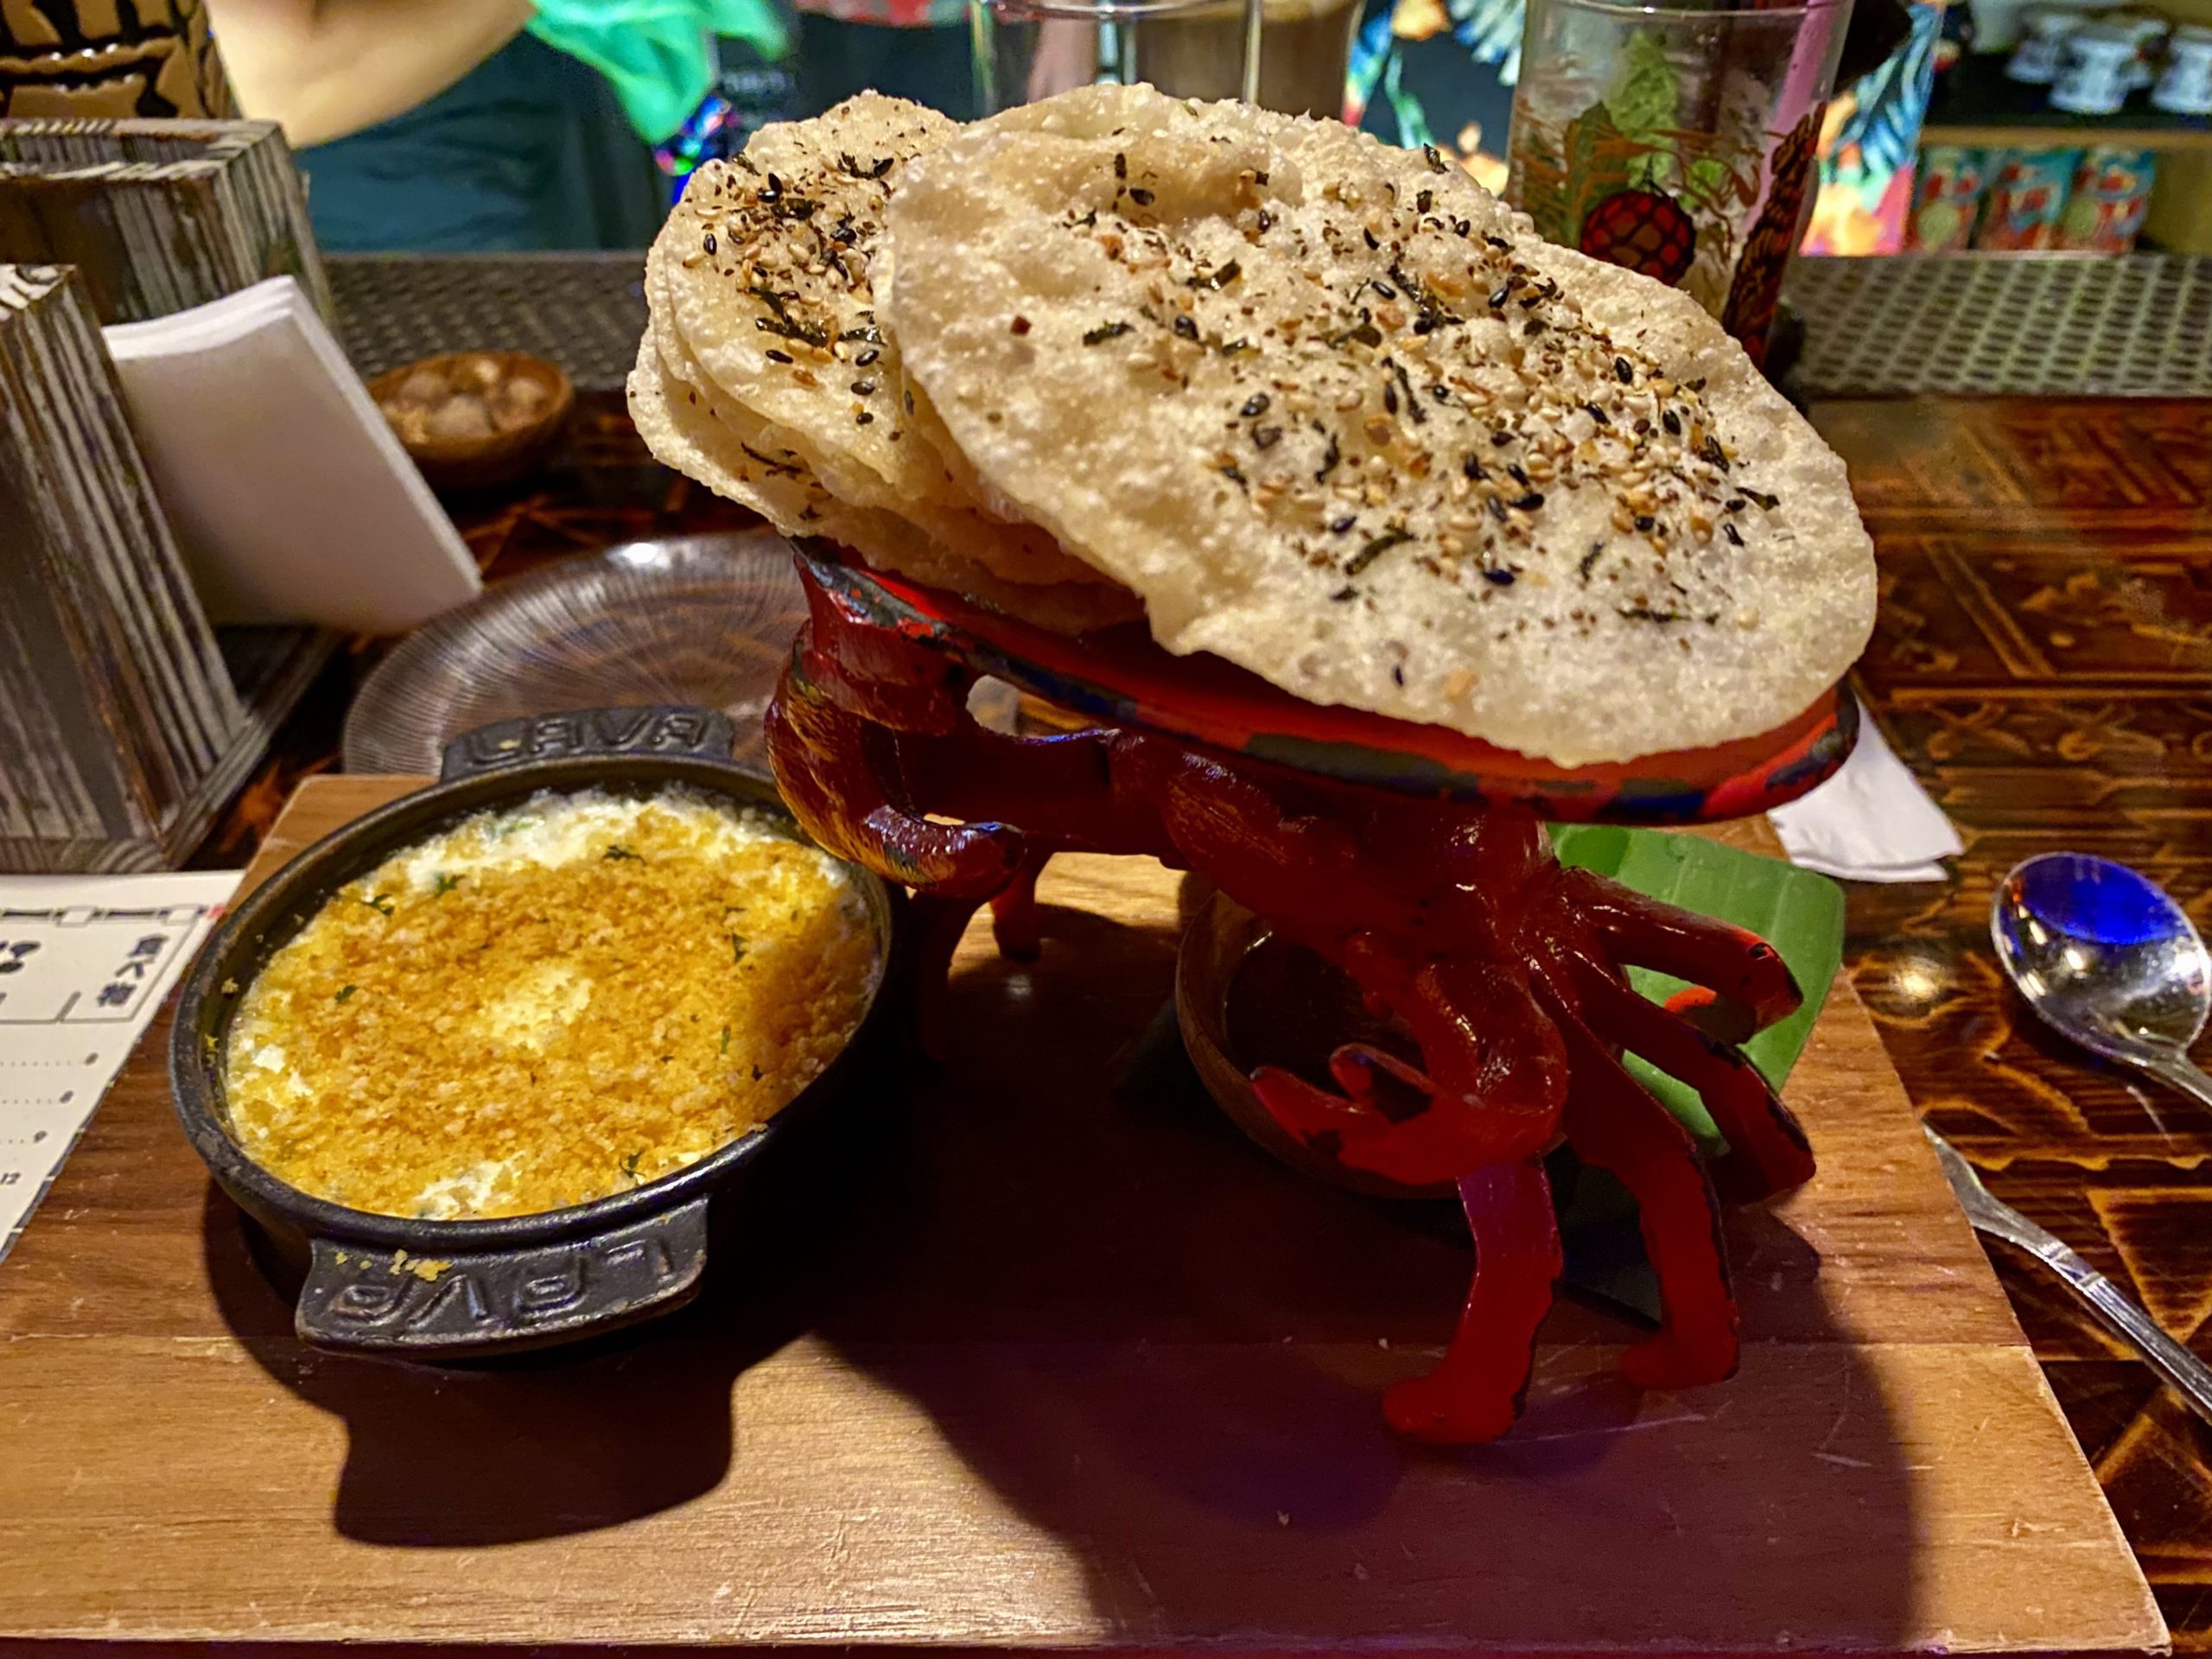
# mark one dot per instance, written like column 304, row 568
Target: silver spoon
column 2104, row 956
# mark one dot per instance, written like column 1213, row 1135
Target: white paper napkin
column 291, row 498
column 1871, row 822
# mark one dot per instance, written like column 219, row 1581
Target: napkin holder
column 124, row 725
column 158, row 216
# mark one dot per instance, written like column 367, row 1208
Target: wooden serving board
column 1072, row 1368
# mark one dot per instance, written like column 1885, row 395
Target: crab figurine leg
column 1768, row 1152
column 1014, row 922
column 1613, row 1122
column 1474, row 1395
column 1735, row 964
column 1740, row 986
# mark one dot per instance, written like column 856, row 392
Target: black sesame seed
column 1268, row 437
column 1343, row 593
column 1369, row 235
column 1231, row 473
column 1142, row 198
column 1514, row 471
column 1120, row 165
column 1266, row 221
column 1498, row 577
column 863, row 388
column 1474, row 469
column 1498, row 298
column 1436, row 163
column 1382, row 288
column 1500, row 437
column 1413, row 403
column 863, row 419
column 1260, row 175
column 867, row 357
column 1461, row 226
column 1531, row 501
column 1255, row 405
column 1343, row 525
column 1375, row 550
column 775, row 356
column 1733, row 503
column 1599, row 415
column 1735, row 536
column 1644, row 521
column 1423, row 201
column 1497, row 506
column 1389, row 397
column 707, row 242
column 1671, row 422
column 1622, row 371
column 1498, row 242
column 1442, row 394
column 1711, row 451
column 1397, row 674
column 1185, row 327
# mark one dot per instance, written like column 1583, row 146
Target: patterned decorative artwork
column 111, row 61
column 1443, row 72
column 1867, row 146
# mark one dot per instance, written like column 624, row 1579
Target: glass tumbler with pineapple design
column 1678, row 142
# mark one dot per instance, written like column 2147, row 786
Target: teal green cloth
column 657, row 55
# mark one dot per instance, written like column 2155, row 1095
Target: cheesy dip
column 547, row 1004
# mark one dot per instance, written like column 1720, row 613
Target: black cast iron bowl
column 448, row 1291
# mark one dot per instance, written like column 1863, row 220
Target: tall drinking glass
column 1289, row 55
column 1677, row 142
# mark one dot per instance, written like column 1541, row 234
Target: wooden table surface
column 1078, row 1367
column 2044, row 663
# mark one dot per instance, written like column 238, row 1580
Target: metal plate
column 702, row 620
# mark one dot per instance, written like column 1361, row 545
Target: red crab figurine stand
column 1452, row 915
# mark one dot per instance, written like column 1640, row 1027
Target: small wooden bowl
column 483, row 460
